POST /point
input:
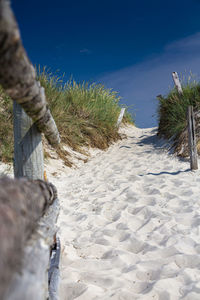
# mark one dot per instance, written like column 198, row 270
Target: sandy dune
column 130, row 224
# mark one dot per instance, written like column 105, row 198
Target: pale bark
column 18, row 76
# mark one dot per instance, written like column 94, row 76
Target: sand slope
column 130, row 224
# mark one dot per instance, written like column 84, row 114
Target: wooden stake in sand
column 191, row 127
column 192, row 138
column 28, row 150
column 177, row 82
column 18, row 78
column 120, row 116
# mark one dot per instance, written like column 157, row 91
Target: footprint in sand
column 187, row 261
column 148, row 225
column 122, row 236
column 177, row 182
column 187, row 193
column 141, row 211
column 133, row 245
column 134, row 178
column 122, row 226
column 135, row 223
column 93, row 252
column 139, row 287
column 129, row 269
column 122, row 295
column 111, row 214
column 169, row 196
column 91, row 278
column 74, row 290
column 148, row 275
column 109, row 232
column 102, row 241
column 151, row 191
column 112, row 254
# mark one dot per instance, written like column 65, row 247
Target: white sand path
column 130, row 224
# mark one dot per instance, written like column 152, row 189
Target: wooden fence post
column 191, row 127
column 18, row 77
column 28, row 150
column 120, row 116
column 192, row 138
column 177, row 82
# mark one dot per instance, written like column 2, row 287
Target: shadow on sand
column 153, row 140
column 167, row 173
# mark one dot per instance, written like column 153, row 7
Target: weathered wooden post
column 177, row 82
column 18, row 78
column 191, row 127
column 31, row 117
column 192, row 138
column 120, row 116
column 26, row 207
column 28, row 150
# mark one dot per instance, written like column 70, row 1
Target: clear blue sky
column 130, row 46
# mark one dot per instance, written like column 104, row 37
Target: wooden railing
column 24, row 256
column 31, row 113
column 28, row 205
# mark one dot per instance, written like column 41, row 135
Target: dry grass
column 85, row 114
column 172, row 109
column 172, row 114
column 6, row 128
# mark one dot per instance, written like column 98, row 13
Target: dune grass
column 6, row 128
column 85, row 114
column 172, row 109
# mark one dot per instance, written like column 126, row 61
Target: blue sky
column 130, row 46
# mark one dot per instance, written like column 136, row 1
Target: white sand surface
column 130, row 224
column 6, row 169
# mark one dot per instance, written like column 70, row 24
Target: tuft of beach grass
column 85, row 114
column 172, row 108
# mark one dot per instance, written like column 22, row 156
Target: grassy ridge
column 85, row 114
column 172, row 109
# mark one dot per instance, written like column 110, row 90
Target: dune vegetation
column 85, row 114
column 6, row 127
column 172, row 109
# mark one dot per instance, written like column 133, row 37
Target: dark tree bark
column 18, row 77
